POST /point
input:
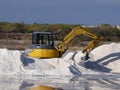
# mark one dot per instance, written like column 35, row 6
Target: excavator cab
column 42, row 39
column 42, row 45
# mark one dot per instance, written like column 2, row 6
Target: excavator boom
column 77, row 31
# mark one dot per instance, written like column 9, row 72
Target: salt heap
column 108, row 55
column 105, row 58
column 14, row 62
column 10, row 61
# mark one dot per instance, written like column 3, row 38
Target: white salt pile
column 108, row 56
column 105, row 58
column 10, row 61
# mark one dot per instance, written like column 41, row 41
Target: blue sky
column 61, row 11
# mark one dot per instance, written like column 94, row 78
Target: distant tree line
column 109, row 32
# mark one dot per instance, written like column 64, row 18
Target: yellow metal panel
column 44, row 53
column 36, row 53
column 42, row 88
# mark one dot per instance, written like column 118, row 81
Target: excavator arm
column 64, row 45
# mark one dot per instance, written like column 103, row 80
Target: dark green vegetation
column 109, row 32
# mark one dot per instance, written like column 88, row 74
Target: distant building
column 89, row 26
column 92, row 26
column 118, row 26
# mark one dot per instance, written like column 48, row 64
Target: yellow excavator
column 43, row 43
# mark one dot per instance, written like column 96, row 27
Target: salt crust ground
column 103, row 59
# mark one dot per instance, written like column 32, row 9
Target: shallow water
column 83, row 82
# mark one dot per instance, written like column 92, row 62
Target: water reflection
column 83, row 82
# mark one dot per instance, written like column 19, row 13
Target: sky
column 61, row 11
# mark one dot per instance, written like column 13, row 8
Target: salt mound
column 108, row 55
column 14, row 62
column 105, row 58
column 55, row 66
column 10, row 61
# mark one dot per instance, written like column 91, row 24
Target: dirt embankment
column 20, row 41
column 14, row 40
column 14, row 44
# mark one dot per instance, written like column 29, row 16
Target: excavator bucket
column 85, row 57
